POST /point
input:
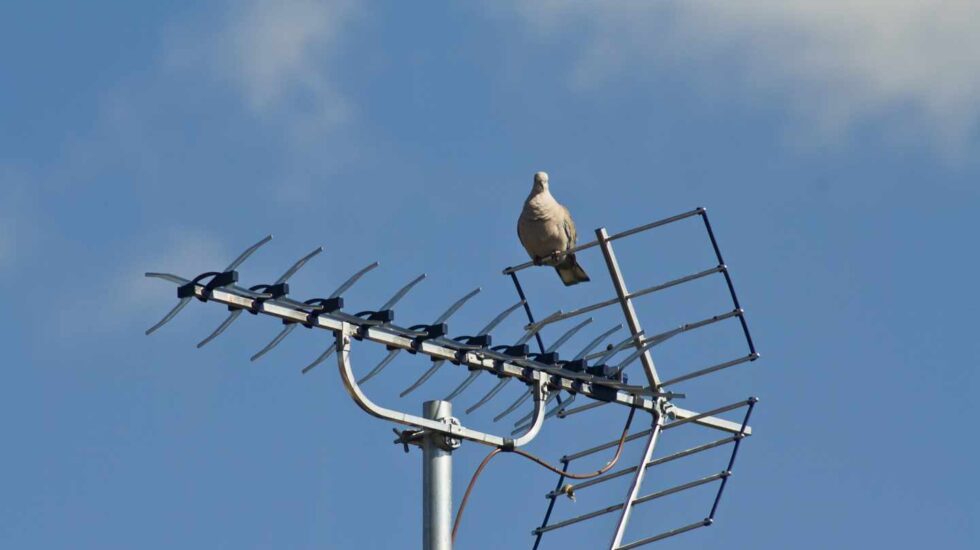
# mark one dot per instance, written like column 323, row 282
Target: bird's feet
column 537, row 260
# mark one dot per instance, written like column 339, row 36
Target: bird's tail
column 570, row 272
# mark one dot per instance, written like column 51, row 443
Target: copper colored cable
column 529, row 456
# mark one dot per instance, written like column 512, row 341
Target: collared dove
column 546, row 230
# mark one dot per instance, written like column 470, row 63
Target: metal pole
column 624, row 516
column 603, row 239
column 437, row 480
column 631, row 319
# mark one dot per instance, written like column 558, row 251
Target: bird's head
column 540, row 182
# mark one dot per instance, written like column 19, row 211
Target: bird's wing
column 569, row 226
column 520, row 231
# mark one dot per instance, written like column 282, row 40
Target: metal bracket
column 453, row 431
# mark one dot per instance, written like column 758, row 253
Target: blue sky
column 834, row 145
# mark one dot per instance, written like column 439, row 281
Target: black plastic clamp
column 548, row 358
column 322, row 305
column 519, row 350
column 575, row 365
column 603, row 371
column 377, row 317
column 272, row 292
column 218, row 280
column 476, row 342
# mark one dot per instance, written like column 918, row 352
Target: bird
column 547, row 231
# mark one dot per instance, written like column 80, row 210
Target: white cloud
column 122, row 297
column 278, row 55
column 838, row 63
column 184, row 252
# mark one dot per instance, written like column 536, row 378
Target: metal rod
column 551, row 504
column 221, row 328
column 170, row 315
column 184, row 301
column 456, row 305
column 436, row 365
column 527, row 308
column 662, row 460
column 666, row 534
column 664, row 336
column 470, row 378
column 704, row 415
column 274, row 342
column 640, row 500
column 731, row 461
column 486, row 330
column 499, row 318
column 634, row 294
column 568, row 334
column 248, row 252
column 380, row 366
column 340, row 290
column 493, row 391
column 560, row 407
column 600, row 357
column 553, row 347
column 437, row 481
column 728, row 277
column 682, row 487
column 631, row 499
column 609, row 445
column 711, row 369
column 620, row 235
column 583, row 408
column 517, row 403
column 402, row 292
column 298, row 265
column 530, row 416
column 321, row 358
column 631, row 319
column 632, row 357
column 595, row 342
column 500, row 385
column 387, row 305
column 577, row 519
column 353, row 279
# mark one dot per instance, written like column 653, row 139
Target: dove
column 546, row 230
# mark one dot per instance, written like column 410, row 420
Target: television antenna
column 590, row 374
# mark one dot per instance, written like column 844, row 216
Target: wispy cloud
column 837, row 63
column 121, row 298
column 278, row 54
column 183, row 252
